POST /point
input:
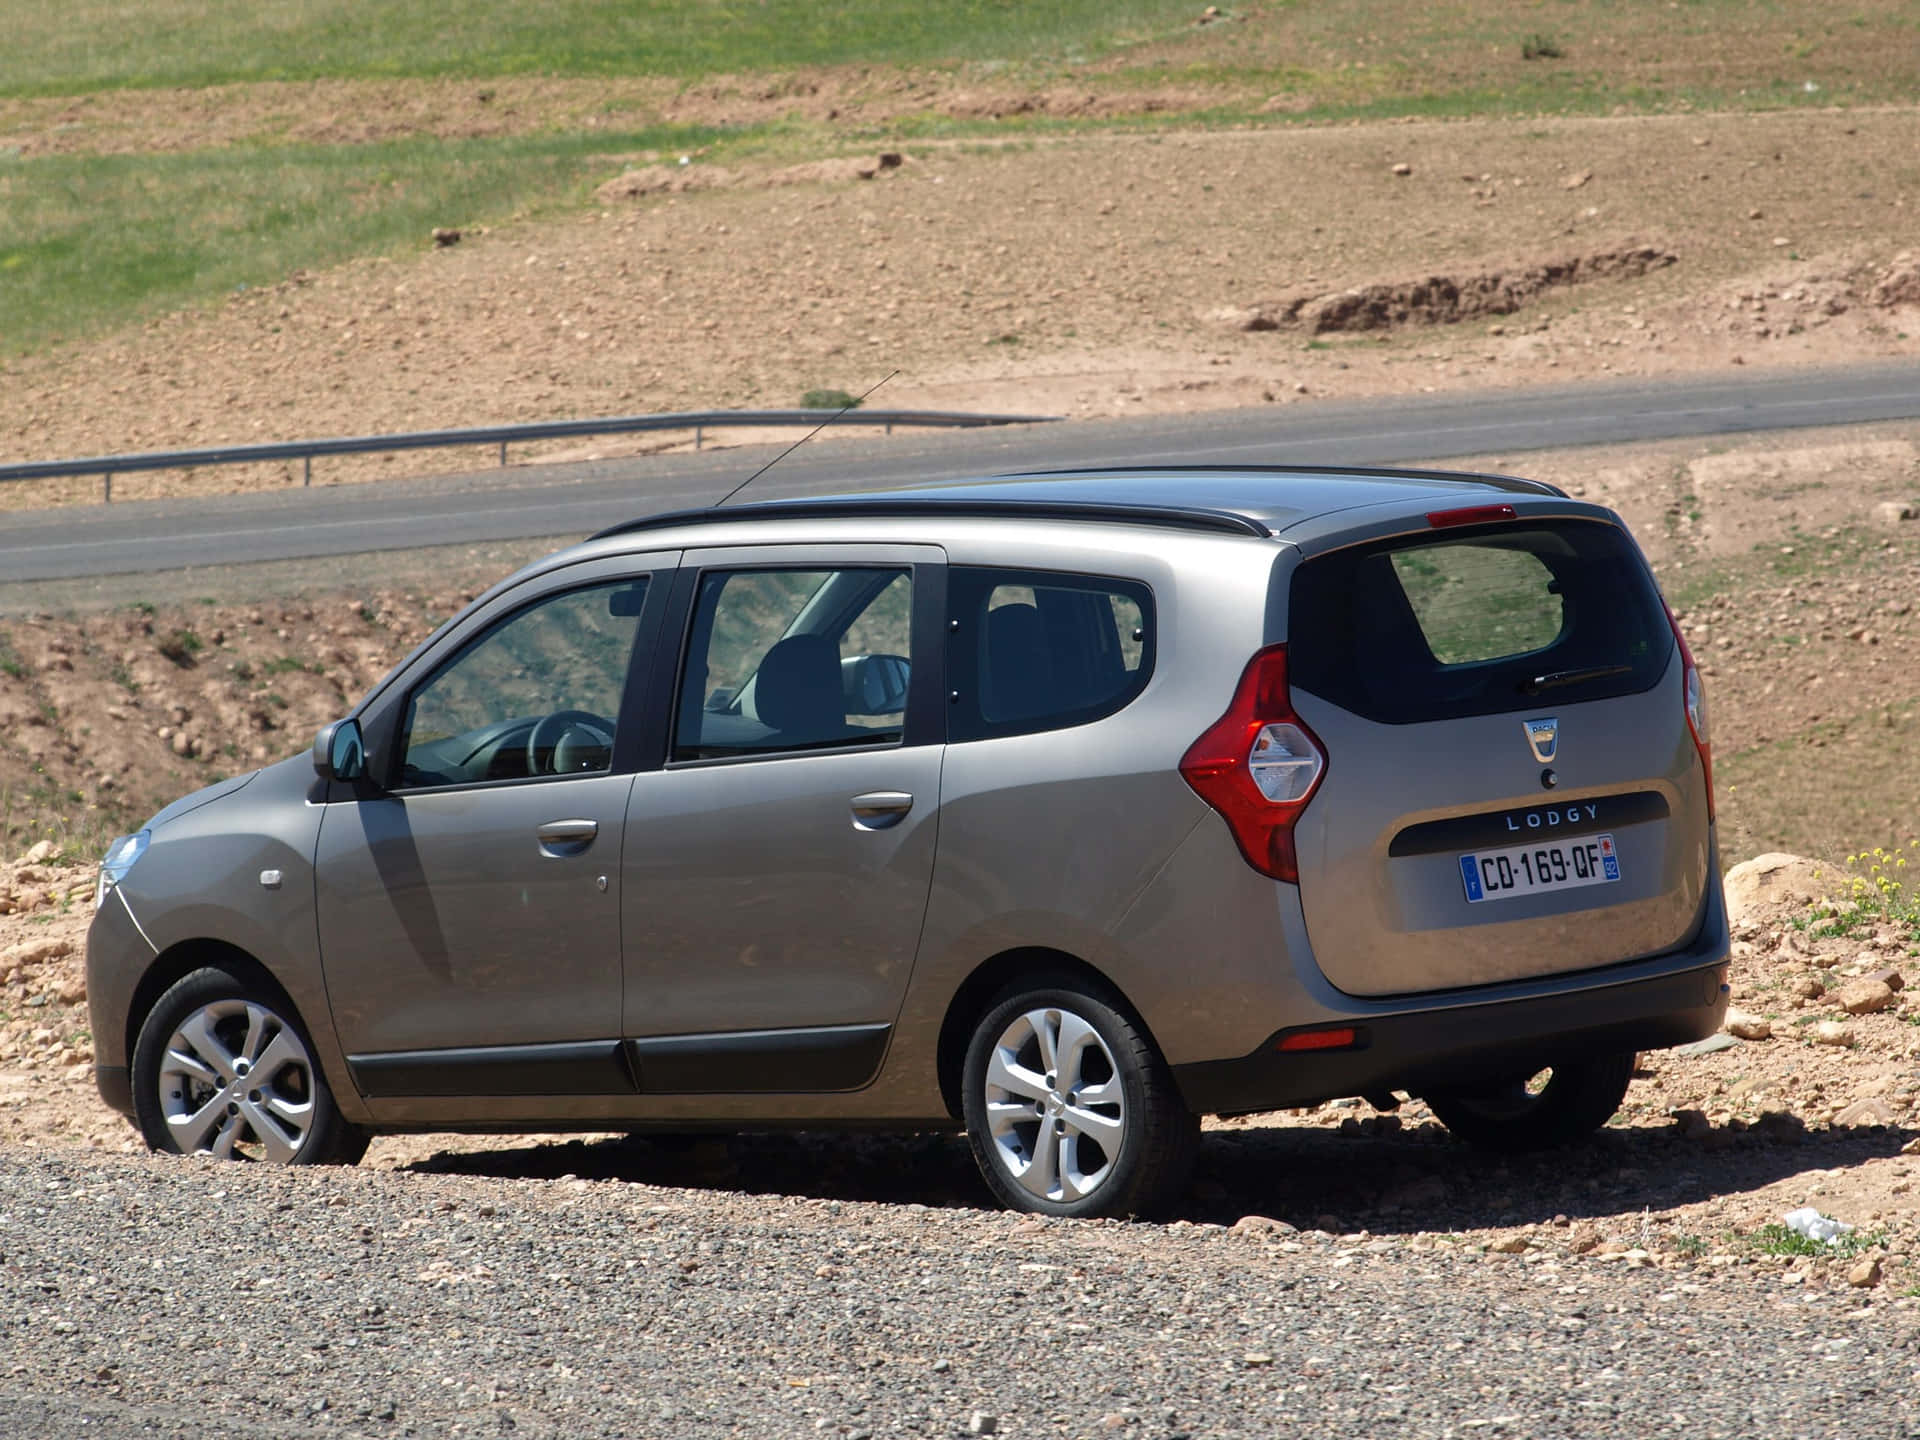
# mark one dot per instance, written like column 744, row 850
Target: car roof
column 1239, row 499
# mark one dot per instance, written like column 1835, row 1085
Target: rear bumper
column 1435, row 1050
column 1454, row 1045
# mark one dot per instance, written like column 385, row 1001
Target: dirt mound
column 1442, row 299
column 46, row 903
column 1898, row 284
column 105, row 718
column 679, row 179
column 1071, row 102
column 1768, row 887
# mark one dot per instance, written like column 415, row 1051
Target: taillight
column 1258, row 765
column 1696, row 705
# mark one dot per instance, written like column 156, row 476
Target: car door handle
column 878, row 809
column 560, row 838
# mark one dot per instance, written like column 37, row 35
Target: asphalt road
column 567, row 500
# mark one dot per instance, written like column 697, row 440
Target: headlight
column 118, row 860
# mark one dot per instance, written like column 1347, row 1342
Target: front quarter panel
column 201, row 880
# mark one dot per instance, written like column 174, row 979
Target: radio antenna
column 852, row 404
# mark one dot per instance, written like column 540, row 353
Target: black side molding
column 734, row 1062
column 744, row 1062
column 583, row 1067
column 1524, row 824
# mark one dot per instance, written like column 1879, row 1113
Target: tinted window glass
column 538, row 693
column 782, row 660
column 1033, row 650
column 1479, row 602
column 1477, row 622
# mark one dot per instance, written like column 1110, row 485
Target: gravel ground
column 269, row 1303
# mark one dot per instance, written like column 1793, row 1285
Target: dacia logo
column 1543, row 736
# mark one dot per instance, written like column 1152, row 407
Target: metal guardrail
column 698, row 421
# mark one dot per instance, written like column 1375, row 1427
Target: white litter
column 1810, row 1223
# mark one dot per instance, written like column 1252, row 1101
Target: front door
column 472, row 905
column 777, row 866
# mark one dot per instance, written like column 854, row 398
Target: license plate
column 1530, row 869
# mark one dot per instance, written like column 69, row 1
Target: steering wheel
column 553, row 734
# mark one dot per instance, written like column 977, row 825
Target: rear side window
column 1034, row 650
column 1476, row 622
column 788, row 660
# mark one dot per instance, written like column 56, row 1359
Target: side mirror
column 875, row 684
column 338, row 753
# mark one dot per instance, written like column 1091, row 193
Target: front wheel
column 1070, row 1109
column 1540, row 1111
column 222, row 1067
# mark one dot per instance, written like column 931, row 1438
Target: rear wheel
column 1551, row 1107
column 223, row 1067
column 1070, row 1109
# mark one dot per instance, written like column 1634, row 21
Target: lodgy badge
column 1559, row 815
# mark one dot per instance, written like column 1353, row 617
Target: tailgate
column 1512, row 788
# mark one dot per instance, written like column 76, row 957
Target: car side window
column 1034, row 650
column 536, row 694
column 784, row 660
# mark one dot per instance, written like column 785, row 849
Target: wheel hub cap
column 236, row 1081
column 1056, row 1114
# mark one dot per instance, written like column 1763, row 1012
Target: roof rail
column 1516, row 484
column 1168, row 517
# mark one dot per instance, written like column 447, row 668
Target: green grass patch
column 1779, row 1240
column 102, row 44
column 1342, row 52
column 93, row 240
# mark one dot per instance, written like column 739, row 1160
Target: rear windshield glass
column 1474, row 622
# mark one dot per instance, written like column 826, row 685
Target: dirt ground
column 1080, row 276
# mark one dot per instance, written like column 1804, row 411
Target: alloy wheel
column 1056, row 1111
column 237, row 1082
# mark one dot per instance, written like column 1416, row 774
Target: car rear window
column 1474, row 622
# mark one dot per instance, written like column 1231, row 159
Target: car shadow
column 1384, row 1180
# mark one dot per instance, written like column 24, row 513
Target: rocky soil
column 106, row 717
column 284, row 1304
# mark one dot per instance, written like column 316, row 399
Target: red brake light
column 1259, row 765
column 1695, row 700
column 1471, row 515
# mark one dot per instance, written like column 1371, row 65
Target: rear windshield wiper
column 1557, row 678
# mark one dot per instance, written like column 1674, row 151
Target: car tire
column 223, row 1065
column 1576, row 1100
column 1070, row 1109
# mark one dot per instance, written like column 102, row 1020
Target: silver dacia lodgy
column 1067, row 808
